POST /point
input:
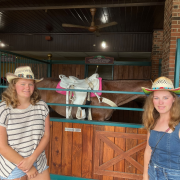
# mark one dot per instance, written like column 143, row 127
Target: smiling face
column 24, row 88
column 163, row 101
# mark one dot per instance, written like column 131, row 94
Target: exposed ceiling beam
column 82, row 6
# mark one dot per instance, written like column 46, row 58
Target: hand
column 26, row 164
column 32, row 173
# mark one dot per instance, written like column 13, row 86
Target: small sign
column 73, row 129
column 99, row 60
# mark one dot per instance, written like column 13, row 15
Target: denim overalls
column 165, row 162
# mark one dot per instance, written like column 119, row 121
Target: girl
column 24, row 128
column 161, row 118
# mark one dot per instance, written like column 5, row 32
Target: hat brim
column 11, row 76
column 148, row 91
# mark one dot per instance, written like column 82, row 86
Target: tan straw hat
column 162, row 83
column 23, row 72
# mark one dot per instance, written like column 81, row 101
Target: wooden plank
column 100, row 145
column 120, row 175
column 82, row 72
column 123, row 135
column 120, row 72
column 69, row 70
column 136, row 72
column 120, row 142
column 140, row 154
column 67, row 150
column 131, row 72
column 130, row 143
column 78, row 71
column 73, row 70
column 77, row 151
column 56, row 71
column 56, row 152
column 65, row 69
column 141, row 72
column 116, row 72
column 147, row 72
column 125, row 72
column 53, row 70
column 87, row 155
column 108, row 152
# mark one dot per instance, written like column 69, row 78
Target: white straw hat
column 23, row 72
column 162, row 83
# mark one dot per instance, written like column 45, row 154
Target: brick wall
column 157, row 50
column 170, row 35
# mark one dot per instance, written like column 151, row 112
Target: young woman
column 161, row 118
column 24, row 128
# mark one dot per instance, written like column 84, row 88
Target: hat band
column 161, row 88
column 27, row 76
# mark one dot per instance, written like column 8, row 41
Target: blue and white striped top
column 25, row 128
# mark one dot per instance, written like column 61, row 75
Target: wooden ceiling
column 47, row 16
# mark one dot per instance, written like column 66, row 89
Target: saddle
column 71, row 82
column 94, row 82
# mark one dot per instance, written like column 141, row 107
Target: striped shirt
column 25, row 128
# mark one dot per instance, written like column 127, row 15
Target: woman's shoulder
column 42, row 104
column 3, row 107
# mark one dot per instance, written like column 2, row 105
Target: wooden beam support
column 82, row 6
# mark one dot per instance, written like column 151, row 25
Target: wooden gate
column 102, row 169
column 97, row 151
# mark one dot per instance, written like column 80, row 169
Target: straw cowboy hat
column 162, row 83
column 23, row 72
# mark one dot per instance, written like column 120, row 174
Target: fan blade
column 75, row 26
column 107, row 25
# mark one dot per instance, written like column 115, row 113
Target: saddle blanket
column 91, row 94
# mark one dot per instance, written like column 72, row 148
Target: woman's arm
column 147, row 156
column 27, row 163
column 7, row 151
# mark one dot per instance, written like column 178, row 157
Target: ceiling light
column 103, row 44
column 2, row 44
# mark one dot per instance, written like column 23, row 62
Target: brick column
column 157, row 49
column 170, row 35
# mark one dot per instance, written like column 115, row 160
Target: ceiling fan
column 93, row 28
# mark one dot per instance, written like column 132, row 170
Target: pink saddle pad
column 91, row 94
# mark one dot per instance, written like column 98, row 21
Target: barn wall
column 80, row 154
column 120, row 42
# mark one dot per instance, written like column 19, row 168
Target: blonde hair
column 151, row 115
column 9, row 96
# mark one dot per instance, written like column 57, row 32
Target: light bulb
column 103, row 44
column 2, row 44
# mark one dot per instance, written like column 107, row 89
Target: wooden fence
column 96, row 152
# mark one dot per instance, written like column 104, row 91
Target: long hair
column 9, row 96
column 151, row 115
